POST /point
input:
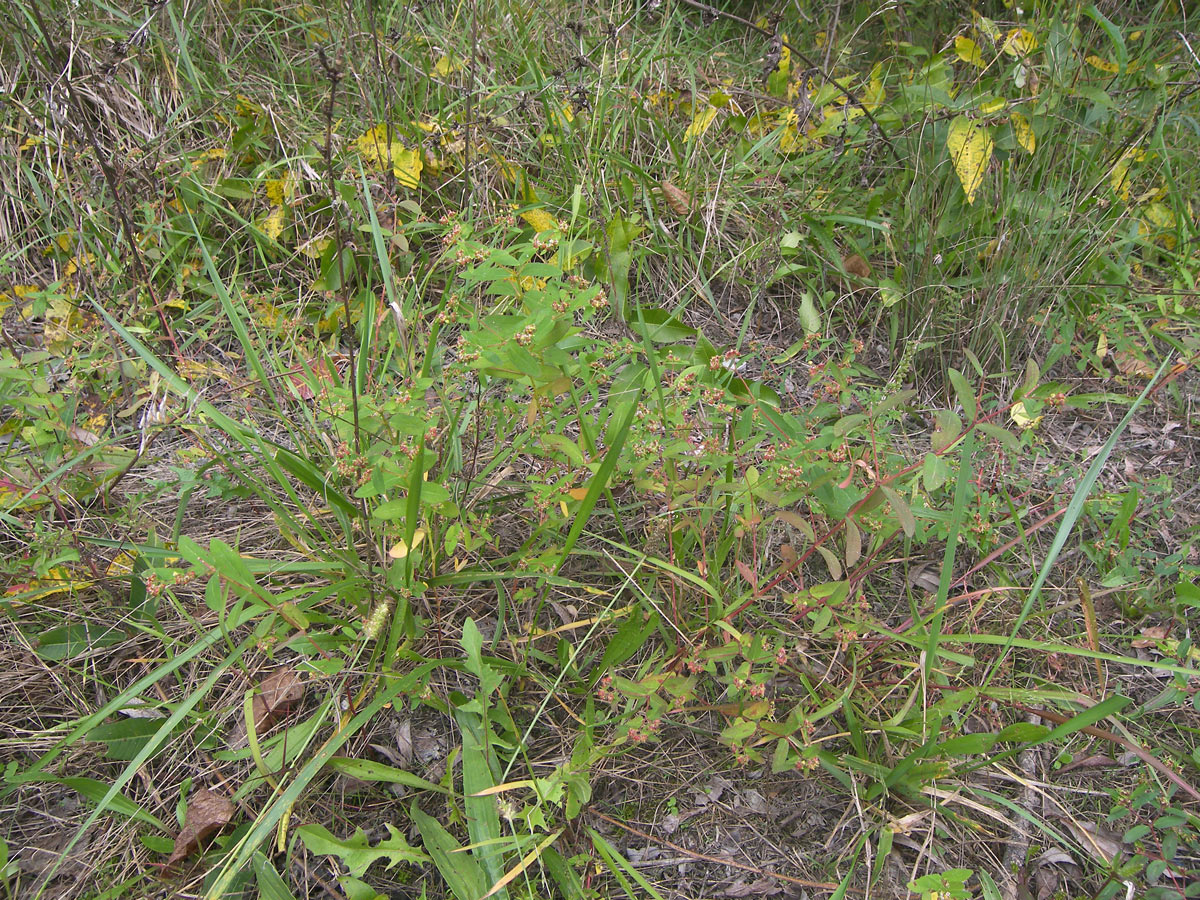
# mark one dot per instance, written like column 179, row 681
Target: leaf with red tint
column 207, row 813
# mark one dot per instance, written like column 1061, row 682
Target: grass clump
column 490, row 451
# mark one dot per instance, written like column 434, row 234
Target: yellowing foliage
column 968, row 51
column 375, row 148
column 1023, row 132
column 970, row 146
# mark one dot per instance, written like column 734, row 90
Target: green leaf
column 483, row 818
column 369, row 770
column 901, row 509
column 125, row 738
column 356, row 851
column 630, row 636
column 965, row 393
column 810, row 319
column 460, row 870
column 948, row 426
column 72, row 641
column 664, row 328
column 270, row 885
column 622, row 232
column 96, row 791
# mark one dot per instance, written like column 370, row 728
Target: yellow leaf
column 446, row 65
column 401, row 550
column 1102, row 346
column 1102, row 64
column 246, row 107
column 375, row 147
column 1021, row 416
column 992, row 105
column 1023, row 132
column 968, row 51
column 792, row 140
column 314, row 247
column 274, row 222
column 280, row 189
column 122, row 564
column 1119, row 179
column 1020, row 42
column 874, row 94
column 540, row 220
column 1159, row 222
column 701, row 122
column 970, row 147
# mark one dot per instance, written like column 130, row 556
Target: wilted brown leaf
column 680, row 202
column 207, row 813
column 857, row 266
column 1130, row 364
column 277, row 694
column 1151, row 635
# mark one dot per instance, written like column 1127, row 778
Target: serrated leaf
column 356, row 851
column 968, row 51
column 970, row 146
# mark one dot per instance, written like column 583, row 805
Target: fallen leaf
column 207, row 813
column 857, row 266
column 1130, row 364
column 1150, row 637
column 1095, row 761
column 277, row 694
column 679, row 201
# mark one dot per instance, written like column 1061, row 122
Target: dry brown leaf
column 679, row 201
column 1150, row 637
column 1103, row 845
column 277, row 695
column 1096, row 760
column 207, row 813
column 857, row 266
column 1130, row 364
